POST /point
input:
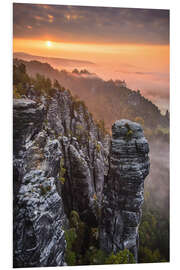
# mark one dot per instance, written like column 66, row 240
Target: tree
column 48, row 84
column 20, row 75
column 22, row 68
column 122, row 257
column 76, row 71
column 56, row 84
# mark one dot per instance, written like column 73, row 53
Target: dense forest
column 107, row 100
column 113, row 101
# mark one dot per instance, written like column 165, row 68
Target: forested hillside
column 154, row 228
column 107, row 100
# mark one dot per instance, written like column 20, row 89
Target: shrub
column 95, row 256
column 62, row 179
column 19, row 74
column 56, row 84
column 75, row 238
column 62, row 171
column 150, row 256
column 129, row 132
column 16, row 94
column 101, row 125
column 79, row 103
column 98, row 147
column 79, row 127
column 70, row 256
column 122, row 257
column 44, row 189
column 74, row 219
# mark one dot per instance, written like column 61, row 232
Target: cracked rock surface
column 62, row 161
column 124, row 188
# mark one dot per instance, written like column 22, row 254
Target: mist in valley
column 157, row 182
column 153, row 83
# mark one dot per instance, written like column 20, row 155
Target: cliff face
column 123, row 190
column 62, row 162
column 38, row 208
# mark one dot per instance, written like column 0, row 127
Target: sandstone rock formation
column 62, row 161
column 124, row 187
column 38, row 208
column 58, row 156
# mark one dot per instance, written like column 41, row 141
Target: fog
column 151, row 77
column 153, row 84
column 157, row 182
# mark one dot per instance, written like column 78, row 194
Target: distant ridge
column 53, row 60
column 122, row 102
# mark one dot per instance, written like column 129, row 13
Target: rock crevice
column 62, row 162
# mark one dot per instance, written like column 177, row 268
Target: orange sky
column 150, row 57
column 127, row 44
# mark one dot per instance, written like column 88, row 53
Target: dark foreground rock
column 62, row 161
column 38, row 208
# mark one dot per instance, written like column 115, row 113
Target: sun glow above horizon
column 147, row 56
column 48, row 43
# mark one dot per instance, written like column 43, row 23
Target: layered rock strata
column 62, row 161
column 124, row 188
column 38, row 208
column 60, row 158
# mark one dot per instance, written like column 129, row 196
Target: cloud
column 93, row 24
column 39, row 18
column 50, row 18
column 29, row 27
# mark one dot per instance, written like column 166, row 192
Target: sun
column 48, row 43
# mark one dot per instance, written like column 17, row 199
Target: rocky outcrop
column 124, row 187
column 63, row 162
column 58, row 155
column 38, row 208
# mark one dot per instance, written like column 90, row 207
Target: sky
column 124, row 43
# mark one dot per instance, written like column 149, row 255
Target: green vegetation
column 70, row 255
column 83, row 245
column 44, row 189
column 20, row 80
column 95, row 256
column 153, row 233
column 98, row 147
column 129, row 132
column 75, row 237
column 16, row 93
column 19, row 75
column 56, row 85
column 83, row 241
column 62, row 171
column 108, row 100
column 101, row 126
column 42, row 84
column 79, row 127
column 122, row 257
column 83, row 71
column 79, row 103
